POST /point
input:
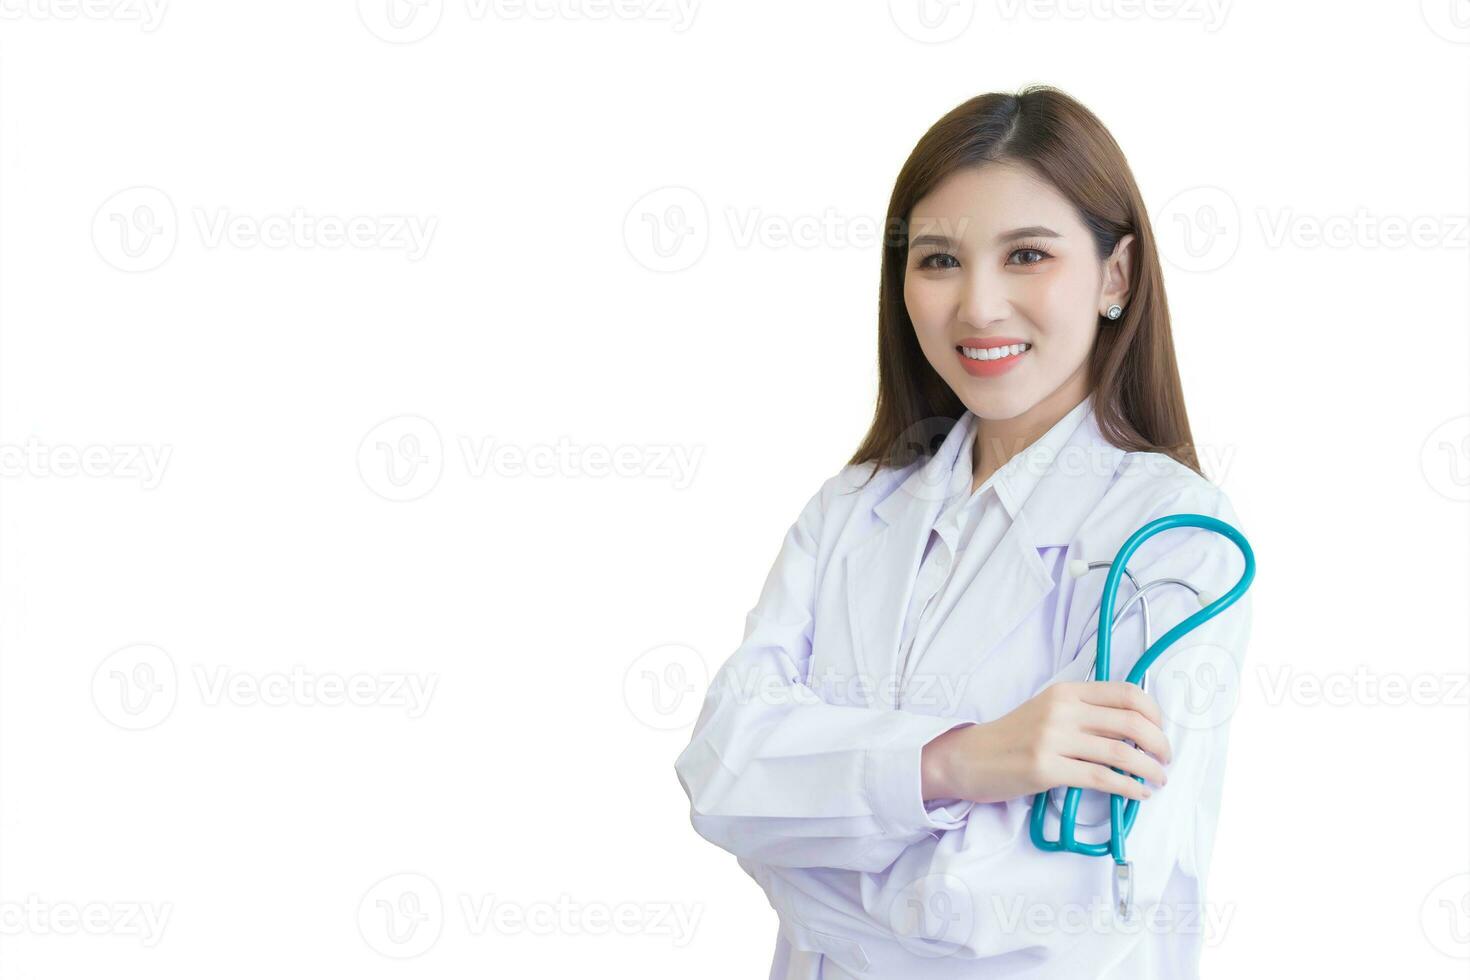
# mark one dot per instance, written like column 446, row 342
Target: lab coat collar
column 1015, row 480
column 1065, row 465
column 880, row 571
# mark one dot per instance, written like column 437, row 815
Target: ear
column 1117, row 274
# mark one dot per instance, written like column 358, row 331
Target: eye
column 928, row 261
column 1033, row 249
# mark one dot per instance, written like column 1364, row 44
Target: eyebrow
column 1029, row 231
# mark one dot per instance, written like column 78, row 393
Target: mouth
column 993, row 352
column 987, row 358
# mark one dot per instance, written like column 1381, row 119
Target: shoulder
column 870, row 481
column 849, row 497
column 1146, row 486
column 843, row 506
column 856, row 483
column 1152, row 483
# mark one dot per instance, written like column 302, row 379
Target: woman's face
column 997, row 257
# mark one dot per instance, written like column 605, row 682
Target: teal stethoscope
column 1121, row 817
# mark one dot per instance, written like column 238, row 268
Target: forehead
column 976, row 201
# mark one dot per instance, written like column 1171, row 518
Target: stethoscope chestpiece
column 1123, row 890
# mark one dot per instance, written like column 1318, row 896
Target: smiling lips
column 986, row 357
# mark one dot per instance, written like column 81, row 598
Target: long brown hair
column 1132, row 373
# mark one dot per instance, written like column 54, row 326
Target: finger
column 1120, row 755
column 1125, row 723
column 1086, row 775
column 1121, row 694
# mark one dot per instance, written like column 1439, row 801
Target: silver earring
column 1114, row 311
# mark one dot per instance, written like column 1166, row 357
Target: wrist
column 936, row 766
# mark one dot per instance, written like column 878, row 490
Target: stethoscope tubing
column 1123, row 813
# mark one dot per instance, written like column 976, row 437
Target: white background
column 338, row 433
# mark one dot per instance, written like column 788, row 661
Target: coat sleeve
column 984, row 889
column 776, row 775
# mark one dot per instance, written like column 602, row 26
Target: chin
column 999, row 406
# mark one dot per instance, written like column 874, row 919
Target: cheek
column 927, row 309
column 1063, row 313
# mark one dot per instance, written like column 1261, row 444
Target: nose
column 983, row 299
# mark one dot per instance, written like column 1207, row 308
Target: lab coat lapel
column 1006, row 589
column 1014, row 579
column 879, row 572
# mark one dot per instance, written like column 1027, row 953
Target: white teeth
column 993, row 353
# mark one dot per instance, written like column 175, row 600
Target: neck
column 997, row 441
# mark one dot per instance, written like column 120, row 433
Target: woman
column 918, row 664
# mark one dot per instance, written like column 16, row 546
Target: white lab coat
column 804, row 761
